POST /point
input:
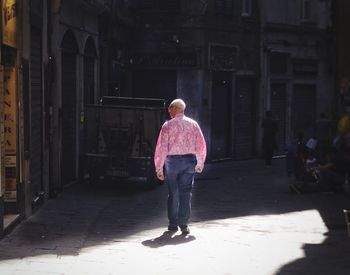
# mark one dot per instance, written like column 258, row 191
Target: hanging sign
column 2, row 137
column 9, row 23
column 223, row 57
column 10, row 112
column 165, row 60
column 10, row 133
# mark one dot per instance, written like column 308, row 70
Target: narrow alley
column 245, row 221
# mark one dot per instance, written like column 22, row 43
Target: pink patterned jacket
column 180, row 135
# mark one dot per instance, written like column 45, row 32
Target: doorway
column 304, row 109
column 244, row 127
column 278, row 109
column 221, row 115
column 68, row 113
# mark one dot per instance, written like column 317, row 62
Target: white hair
column 179, row 103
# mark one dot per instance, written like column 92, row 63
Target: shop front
column 10, row 147
column 9, row 164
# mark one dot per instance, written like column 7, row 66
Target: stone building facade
column 342, row 86
column 230, row 60
column 206, row 52
column 297, row 64
column 49, row 69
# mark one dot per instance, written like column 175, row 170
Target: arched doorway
column 68, row 113
column 221, row 116
column 88, row 97
column 244, row 123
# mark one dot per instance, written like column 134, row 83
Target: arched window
column 69, row 43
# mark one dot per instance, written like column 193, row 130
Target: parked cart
column 120, row 135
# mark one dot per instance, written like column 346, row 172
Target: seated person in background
column 329, row 176
column 334, row 171
column 296, row 154
column 301, row 155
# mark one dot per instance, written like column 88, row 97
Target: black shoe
column 184, row 229
column 172, row 228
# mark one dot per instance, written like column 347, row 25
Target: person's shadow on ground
column 168, row 238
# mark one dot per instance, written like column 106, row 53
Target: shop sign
column 10, row 196
column 165, row 60
column 2, row 149
column 10, row 161
column 10, row 133
column 11, row 184
column 10, row 111
column 9, row 22
column 223, row 57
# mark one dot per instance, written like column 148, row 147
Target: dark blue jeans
column 179, row 176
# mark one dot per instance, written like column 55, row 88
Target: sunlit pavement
column 244, row 221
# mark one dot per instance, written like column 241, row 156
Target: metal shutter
column 36, row 104
column 244, row 128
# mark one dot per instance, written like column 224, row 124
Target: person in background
column 269, row 142
column 180, row 153
column 323, row 135
column 296, row 156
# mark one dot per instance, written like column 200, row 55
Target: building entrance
column 221, row 116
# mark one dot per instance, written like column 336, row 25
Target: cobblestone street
column 244, row 221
